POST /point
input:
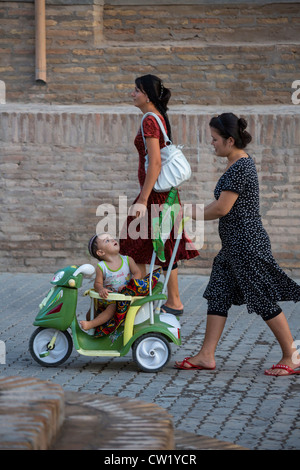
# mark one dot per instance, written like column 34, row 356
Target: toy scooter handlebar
column 86, row 269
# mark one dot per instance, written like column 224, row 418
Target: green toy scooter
column 145, row 329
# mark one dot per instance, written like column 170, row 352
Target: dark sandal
column 174, row 311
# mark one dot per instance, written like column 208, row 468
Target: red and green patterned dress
column 140, row 248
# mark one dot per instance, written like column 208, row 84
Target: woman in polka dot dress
column 244, row 271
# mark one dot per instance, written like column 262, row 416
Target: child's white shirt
column 112, row 280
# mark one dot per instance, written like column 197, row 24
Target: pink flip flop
column 191, row 366
column 289, row 370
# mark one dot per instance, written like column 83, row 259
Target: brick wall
column 233, row 54
column 208, row 23
column 59, row 163
column 71, row 148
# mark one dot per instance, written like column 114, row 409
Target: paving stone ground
column 236, row 402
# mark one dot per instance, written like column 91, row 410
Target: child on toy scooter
column 113, row 272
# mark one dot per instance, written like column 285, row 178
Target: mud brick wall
column 208, row 54
column 59, row 163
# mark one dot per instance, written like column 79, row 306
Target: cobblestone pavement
column 236, row 402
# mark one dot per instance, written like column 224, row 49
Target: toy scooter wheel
column 151, row 352
column 39, row 346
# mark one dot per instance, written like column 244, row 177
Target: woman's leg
column 173, row 288
column 281, row 330
column 206, row 356
column 174, row 300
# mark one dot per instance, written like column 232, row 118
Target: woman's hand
column 139, row 209
column 193, row 210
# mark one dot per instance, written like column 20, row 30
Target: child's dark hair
column 93, row 247
column 229, row 125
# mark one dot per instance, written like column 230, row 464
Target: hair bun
column 245, row 136
column 242, row 123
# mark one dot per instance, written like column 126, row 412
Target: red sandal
column 191, row 366
column 289, row 370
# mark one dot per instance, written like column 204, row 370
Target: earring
column 148, row 101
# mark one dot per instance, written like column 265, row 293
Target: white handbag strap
column 167, row 140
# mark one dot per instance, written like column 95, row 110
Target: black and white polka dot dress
column 245, row 271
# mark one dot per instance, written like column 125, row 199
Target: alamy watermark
column 296, row 354
column 2, row 92
column 189, row 217
column 2, row 352
column 296, row 93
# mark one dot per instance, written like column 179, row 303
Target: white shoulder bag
column 175, row 169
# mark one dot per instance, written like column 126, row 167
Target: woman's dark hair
column 158, row 94
column 229, row 125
